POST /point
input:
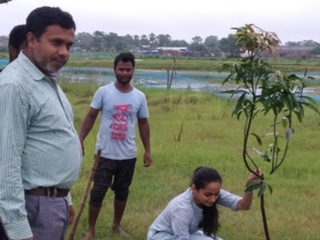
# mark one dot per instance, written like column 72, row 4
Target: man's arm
column 13, row 134
column 144, row 131
column 88, row 124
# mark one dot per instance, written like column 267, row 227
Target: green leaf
column 253, row 185
column 264, row 156
column 239, row 105
column 262, row 189
column 229, row 91
column 310, row 104
column 258, row 184
column 227, row 79
column 284, row 122
column 257, row 138
column 289, row 134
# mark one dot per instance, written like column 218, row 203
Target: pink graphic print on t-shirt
column 120, row 122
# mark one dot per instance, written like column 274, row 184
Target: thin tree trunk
column 264, row 217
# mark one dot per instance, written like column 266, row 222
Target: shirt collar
column 30, row 68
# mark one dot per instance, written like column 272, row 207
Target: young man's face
column 52, row 51
column 124, row 72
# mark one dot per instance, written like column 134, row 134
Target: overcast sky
column 182, row 20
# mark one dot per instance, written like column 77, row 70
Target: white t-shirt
column 117, row 135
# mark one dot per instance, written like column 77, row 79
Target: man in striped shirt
column 40, row 152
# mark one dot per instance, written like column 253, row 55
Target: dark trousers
column 116, row 174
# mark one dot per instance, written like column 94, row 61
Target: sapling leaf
column 284, row 122
column 289, row 134
column 262, row 189
column 229, row 91
column 263, row 155
column 257, row 138
column 253, row 185
column 272, row 134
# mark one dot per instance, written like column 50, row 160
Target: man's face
column 124, row 72
column 52, row 51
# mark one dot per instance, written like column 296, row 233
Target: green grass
column 210, row 136
column 192, row 64
column 105, row 60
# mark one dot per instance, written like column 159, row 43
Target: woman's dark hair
column 201, row 178
column 40, row 18
column 124, row 57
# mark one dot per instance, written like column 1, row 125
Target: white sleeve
column 229, row 200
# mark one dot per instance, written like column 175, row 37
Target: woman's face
column 206, row 196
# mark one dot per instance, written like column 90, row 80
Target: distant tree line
column 100, row 41
column 112, row 42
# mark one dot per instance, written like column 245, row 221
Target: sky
column 182, row 19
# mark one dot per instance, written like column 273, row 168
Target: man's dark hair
column 17, row 36
column 125, row 57
column 40, row 18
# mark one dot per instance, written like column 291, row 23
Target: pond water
column 184, row 80
column 3, row 63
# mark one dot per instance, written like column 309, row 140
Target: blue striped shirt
column 39, row 145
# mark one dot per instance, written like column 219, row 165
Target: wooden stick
column 85, row 196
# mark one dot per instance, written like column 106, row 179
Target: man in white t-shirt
column 121, row 106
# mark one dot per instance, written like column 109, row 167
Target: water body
column 184, row 80
column 180, row 80
column 3, row 63
column 195, row 81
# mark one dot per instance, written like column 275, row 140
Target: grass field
column 190, row 129
column 209, row 136
column 105, row 60
column 192, row 64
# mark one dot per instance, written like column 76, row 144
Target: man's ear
column 193, row 187
column 31, row 39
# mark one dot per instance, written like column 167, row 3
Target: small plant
column 177, row 139
column 264, row 90
column 170, row 75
